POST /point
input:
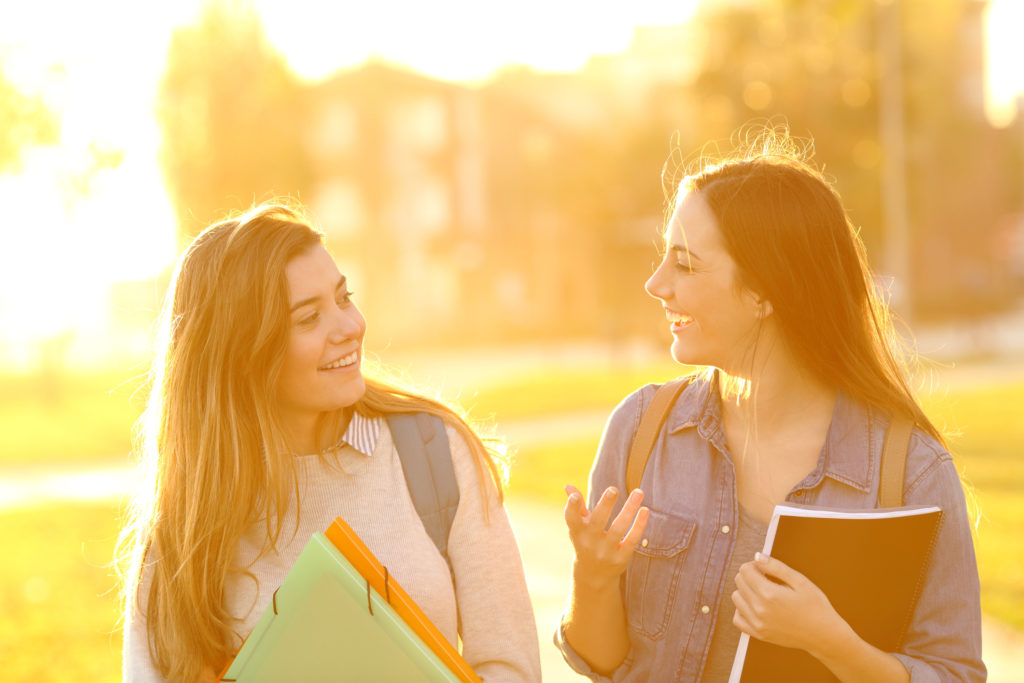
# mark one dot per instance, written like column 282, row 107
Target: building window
column 338, row 205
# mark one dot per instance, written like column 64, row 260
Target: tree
column 823, row 65
column 24, row 121
column 231, row 115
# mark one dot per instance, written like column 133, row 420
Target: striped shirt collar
column 362, row 433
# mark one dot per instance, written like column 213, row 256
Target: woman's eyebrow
column 313, row 299
column 683, row 250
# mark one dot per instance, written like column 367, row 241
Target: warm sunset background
column 490, row 179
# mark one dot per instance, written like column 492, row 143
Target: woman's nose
column 655, row 284
column 348, row 324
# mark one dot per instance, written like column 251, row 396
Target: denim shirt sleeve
column 943, row 641
column 577, row 663
column 609, row 469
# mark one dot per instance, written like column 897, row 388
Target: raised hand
column 602, row 550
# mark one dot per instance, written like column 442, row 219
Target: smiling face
column 713, row 319
column 322, row 365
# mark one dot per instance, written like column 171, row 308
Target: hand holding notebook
column 868, row 563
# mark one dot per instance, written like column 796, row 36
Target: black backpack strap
column 426, row 458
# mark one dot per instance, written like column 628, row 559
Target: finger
column 742, row 583
column 754, row 585
column 777, row 570
column 749, row 574
column 603, row 510
column 763, row 588
column 575, row 510
column 636, row 532
column 627, row 515
column 740, row 602
column 745, row 618
column 749, row 595
column 743, row 624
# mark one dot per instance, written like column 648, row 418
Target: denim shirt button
column 643, row 543
column 725, row 528
column 704, row 609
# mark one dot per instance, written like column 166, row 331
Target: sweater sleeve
column 496, row 621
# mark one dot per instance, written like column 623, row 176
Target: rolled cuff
column 575, row 662
column 919, row 671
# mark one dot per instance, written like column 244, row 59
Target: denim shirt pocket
column 653, row 575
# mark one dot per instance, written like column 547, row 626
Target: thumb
column 777, row 570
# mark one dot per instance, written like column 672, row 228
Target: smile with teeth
column 678, row 320
column 342, row 362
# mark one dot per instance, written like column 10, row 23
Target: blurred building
column 396, row 161
column 530, row 207
column 463, row 214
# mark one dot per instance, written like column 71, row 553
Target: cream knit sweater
column 489, row 606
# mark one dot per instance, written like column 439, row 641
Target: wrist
column 851, row 658
column 836, row 643
column 592, row 583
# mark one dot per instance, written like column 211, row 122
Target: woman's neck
column 775, row 427
column 776, row 395
column 312, row 433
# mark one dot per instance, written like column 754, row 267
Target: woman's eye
column 345, row 298
column 311, row 318
column 683, row 266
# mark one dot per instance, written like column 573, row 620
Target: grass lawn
column 58, row 601
column 987, row 441
column 566, row 391
column 73, row 420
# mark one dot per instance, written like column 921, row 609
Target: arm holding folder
column 489, row 599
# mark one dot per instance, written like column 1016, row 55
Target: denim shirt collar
column 851, row 445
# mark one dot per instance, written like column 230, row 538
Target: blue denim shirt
column 674, row 583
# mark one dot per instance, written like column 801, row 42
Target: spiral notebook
column 870, row 564
column 338, row 615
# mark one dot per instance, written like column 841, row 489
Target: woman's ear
column 764, row 308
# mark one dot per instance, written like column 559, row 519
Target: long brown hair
column 210, row 444
column 785, row 227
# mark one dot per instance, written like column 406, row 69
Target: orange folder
column 355, row 551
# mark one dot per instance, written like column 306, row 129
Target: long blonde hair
column 210, row 444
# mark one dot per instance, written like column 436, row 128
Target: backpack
column 894, row 451
column 426, row 458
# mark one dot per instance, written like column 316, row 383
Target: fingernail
column 613, row 491
column 574, row 497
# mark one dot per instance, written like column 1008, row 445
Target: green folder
column 319, row 627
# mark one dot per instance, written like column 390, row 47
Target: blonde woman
column 262, row 429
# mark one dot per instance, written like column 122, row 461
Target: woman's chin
column 681, row 355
